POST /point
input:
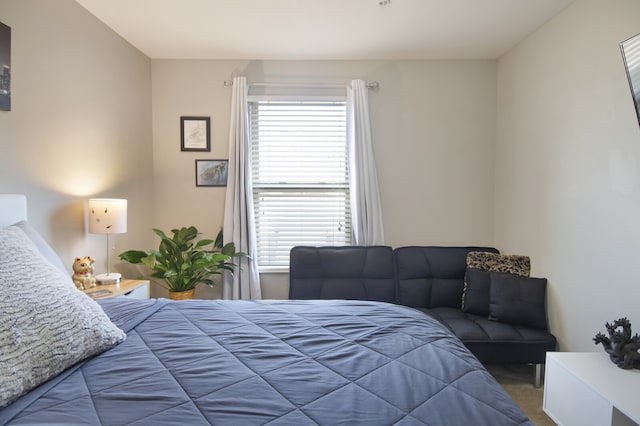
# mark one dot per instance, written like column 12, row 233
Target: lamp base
column 106, row 279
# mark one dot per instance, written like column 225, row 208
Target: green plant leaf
column 219, row 239
column 150, row 260
column 133, row 256
column 203, row 243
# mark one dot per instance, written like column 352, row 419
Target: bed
column 200, row 362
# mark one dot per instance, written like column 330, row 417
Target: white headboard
column 13, row 208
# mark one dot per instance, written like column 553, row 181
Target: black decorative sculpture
column 621, row 347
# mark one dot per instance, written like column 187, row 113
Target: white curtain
column 366, row 211
column 239, row 224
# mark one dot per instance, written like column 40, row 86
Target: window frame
column 290, row 185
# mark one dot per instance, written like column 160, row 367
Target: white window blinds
column 300, row 176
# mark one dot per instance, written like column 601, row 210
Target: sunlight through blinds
column 300, row 177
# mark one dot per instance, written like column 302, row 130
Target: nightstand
column 130, row 289
column 586, row 388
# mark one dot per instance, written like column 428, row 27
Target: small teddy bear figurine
column 83, row 273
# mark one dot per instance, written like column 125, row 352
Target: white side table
column 131, row 289
column 586, row 388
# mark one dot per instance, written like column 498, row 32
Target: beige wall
column 80, row 125
column 92, row 116
column 433, row 131
column 566, row 182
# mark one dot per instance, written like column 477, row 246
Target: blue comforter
column 272, row 362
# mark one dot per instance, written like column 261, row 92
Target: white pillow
column 46, row 324
column 43, row 247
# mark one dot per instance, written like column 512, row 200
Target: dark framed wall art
column 195, row 134
column 5, row 67
column 212, row 172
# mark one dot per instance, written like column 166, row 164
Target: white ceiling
column 324, row 29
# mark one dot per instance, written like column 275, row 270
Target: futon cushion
column 347, row 272
column 518, row 300
column 46, row 324
column 475, row 295
column 494, row 342
column 430, row 276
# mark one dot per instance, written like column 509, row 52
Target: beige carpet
column 517, row 380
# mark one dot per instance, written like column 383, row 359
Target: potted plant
column 182, row 263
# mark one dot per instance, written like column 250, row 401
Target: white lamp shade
column 107, row 216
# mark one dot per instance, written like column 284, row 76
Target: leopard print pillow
column 494, row 262
column 475, row 295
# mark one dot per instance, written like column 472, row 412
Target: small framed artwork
column 195, row 134
column 5, row 67
column 212, row 172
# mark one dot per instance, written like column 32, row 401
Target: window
column 300, row 176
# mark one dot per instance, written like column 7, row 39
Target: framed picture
column 5, row 67
column 195, row 134
column 212, row 172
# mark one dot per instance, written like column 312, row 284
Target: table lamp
column 108, row 216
